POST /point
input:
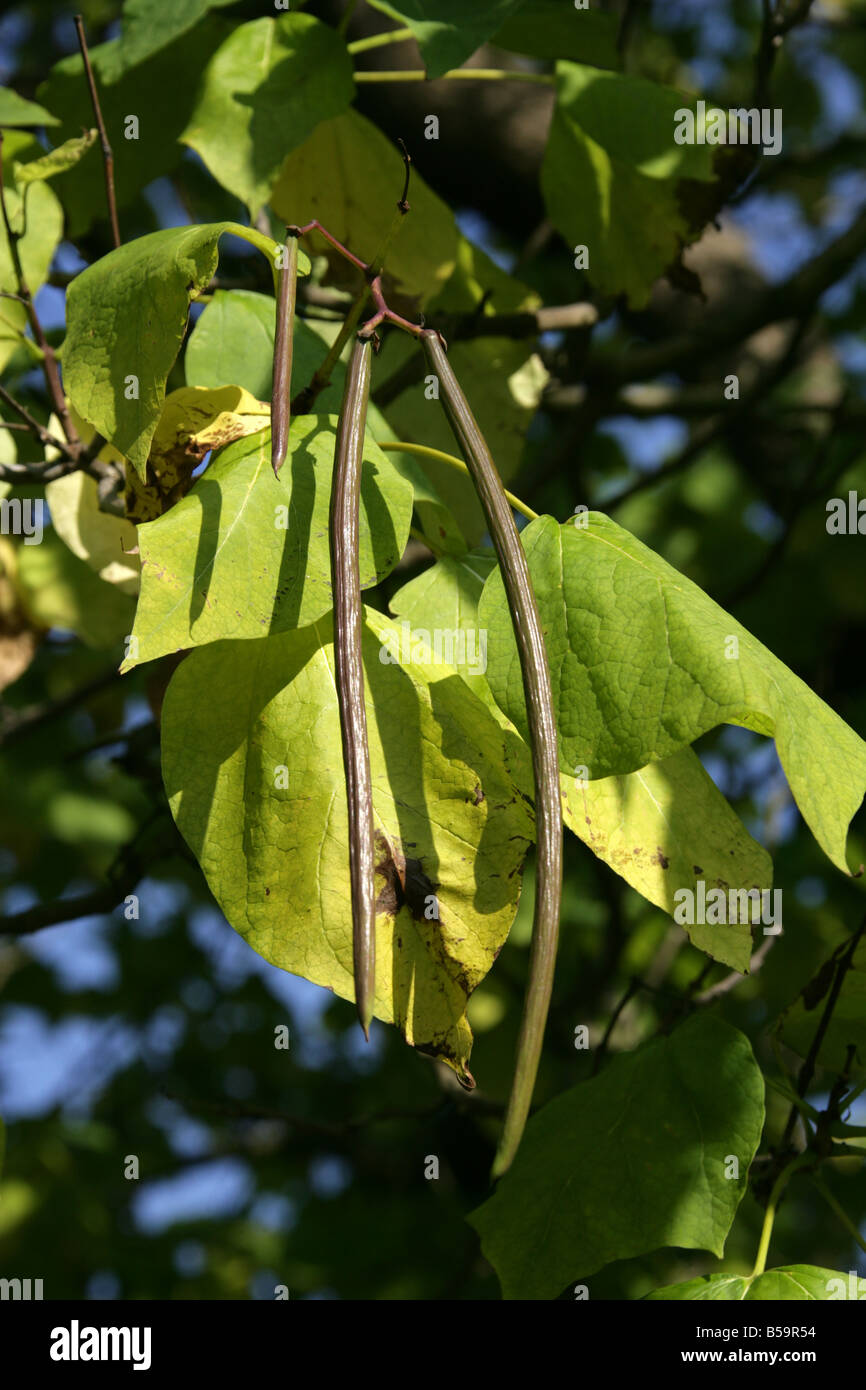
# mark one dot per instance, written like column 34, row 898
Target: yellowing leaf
column 245, row 554
column 349, row 176
column 195, row 420
column 256, row 784
column 107, row 543
column 127, row 316
column 661, row 828
column 57, row 161
column 664, row 828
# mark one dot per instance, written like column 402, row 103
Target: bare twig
column 724, row 986
column 107, row 152
column 631, row 990
column 626, row 23
column 790, row 299
column 844, row 961
column 17, row 725
column 30, row 423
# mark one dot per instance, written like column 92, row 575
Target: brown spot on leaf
column 406, row 884
column 660, row 859
column 696, row 869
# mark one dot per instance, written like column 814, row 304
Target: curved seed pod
column 281, row 391
column 345, row 506
column 542, row 728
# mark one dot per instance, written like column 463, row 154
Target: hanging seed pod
column 281, row 392
column 542, row 729
column 345, row 507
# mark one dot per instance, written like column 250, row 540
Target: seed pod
column 281, row 391
column 345, row 570
column 542, row 729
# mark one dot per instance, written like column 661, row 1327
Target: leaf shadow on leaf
column 209, row 499
column 410, row 865
column 294, row 557
column 270, row 104
column 446, row 698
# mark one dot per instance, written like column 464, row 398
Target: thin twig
column 623, row 34
column 470, row 74
column 107, row 152
column 807, row 1071
column 379, row 40
column 425, row 451
column 302, row 403
column 736, row 977
column 631, row 990
column 838, row 1210
column 18, row 724
column 42, row 434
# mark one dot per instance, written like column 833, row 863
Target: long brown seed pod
column 281, row 391
column 542, row 729
column 345, row 570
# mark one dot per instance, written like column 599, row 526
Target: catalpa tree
column 289, row 295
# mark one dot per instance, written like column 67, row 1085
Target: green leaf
column 434, row 517
column 357, row 208
column 630, row 1161
column 44, row 229
column 149, row 25
column 448, row 31
column 660, row 828
column 256, row 784
column 159, row 93
column 244, row 555
column 554, row 29
column 126, row 318
column 789, row 1283
column 798, row 1025
column 643, row 663
column 57, row 161
column 16, row 111
column 610, row 173
column 60, row 590
column 443, row 601
column 232, row 344
column 262, row 94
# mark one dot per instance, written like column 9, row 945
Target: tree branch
column 44, row 435
column 845, row 958
column 107, row 152
column 792, row 299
